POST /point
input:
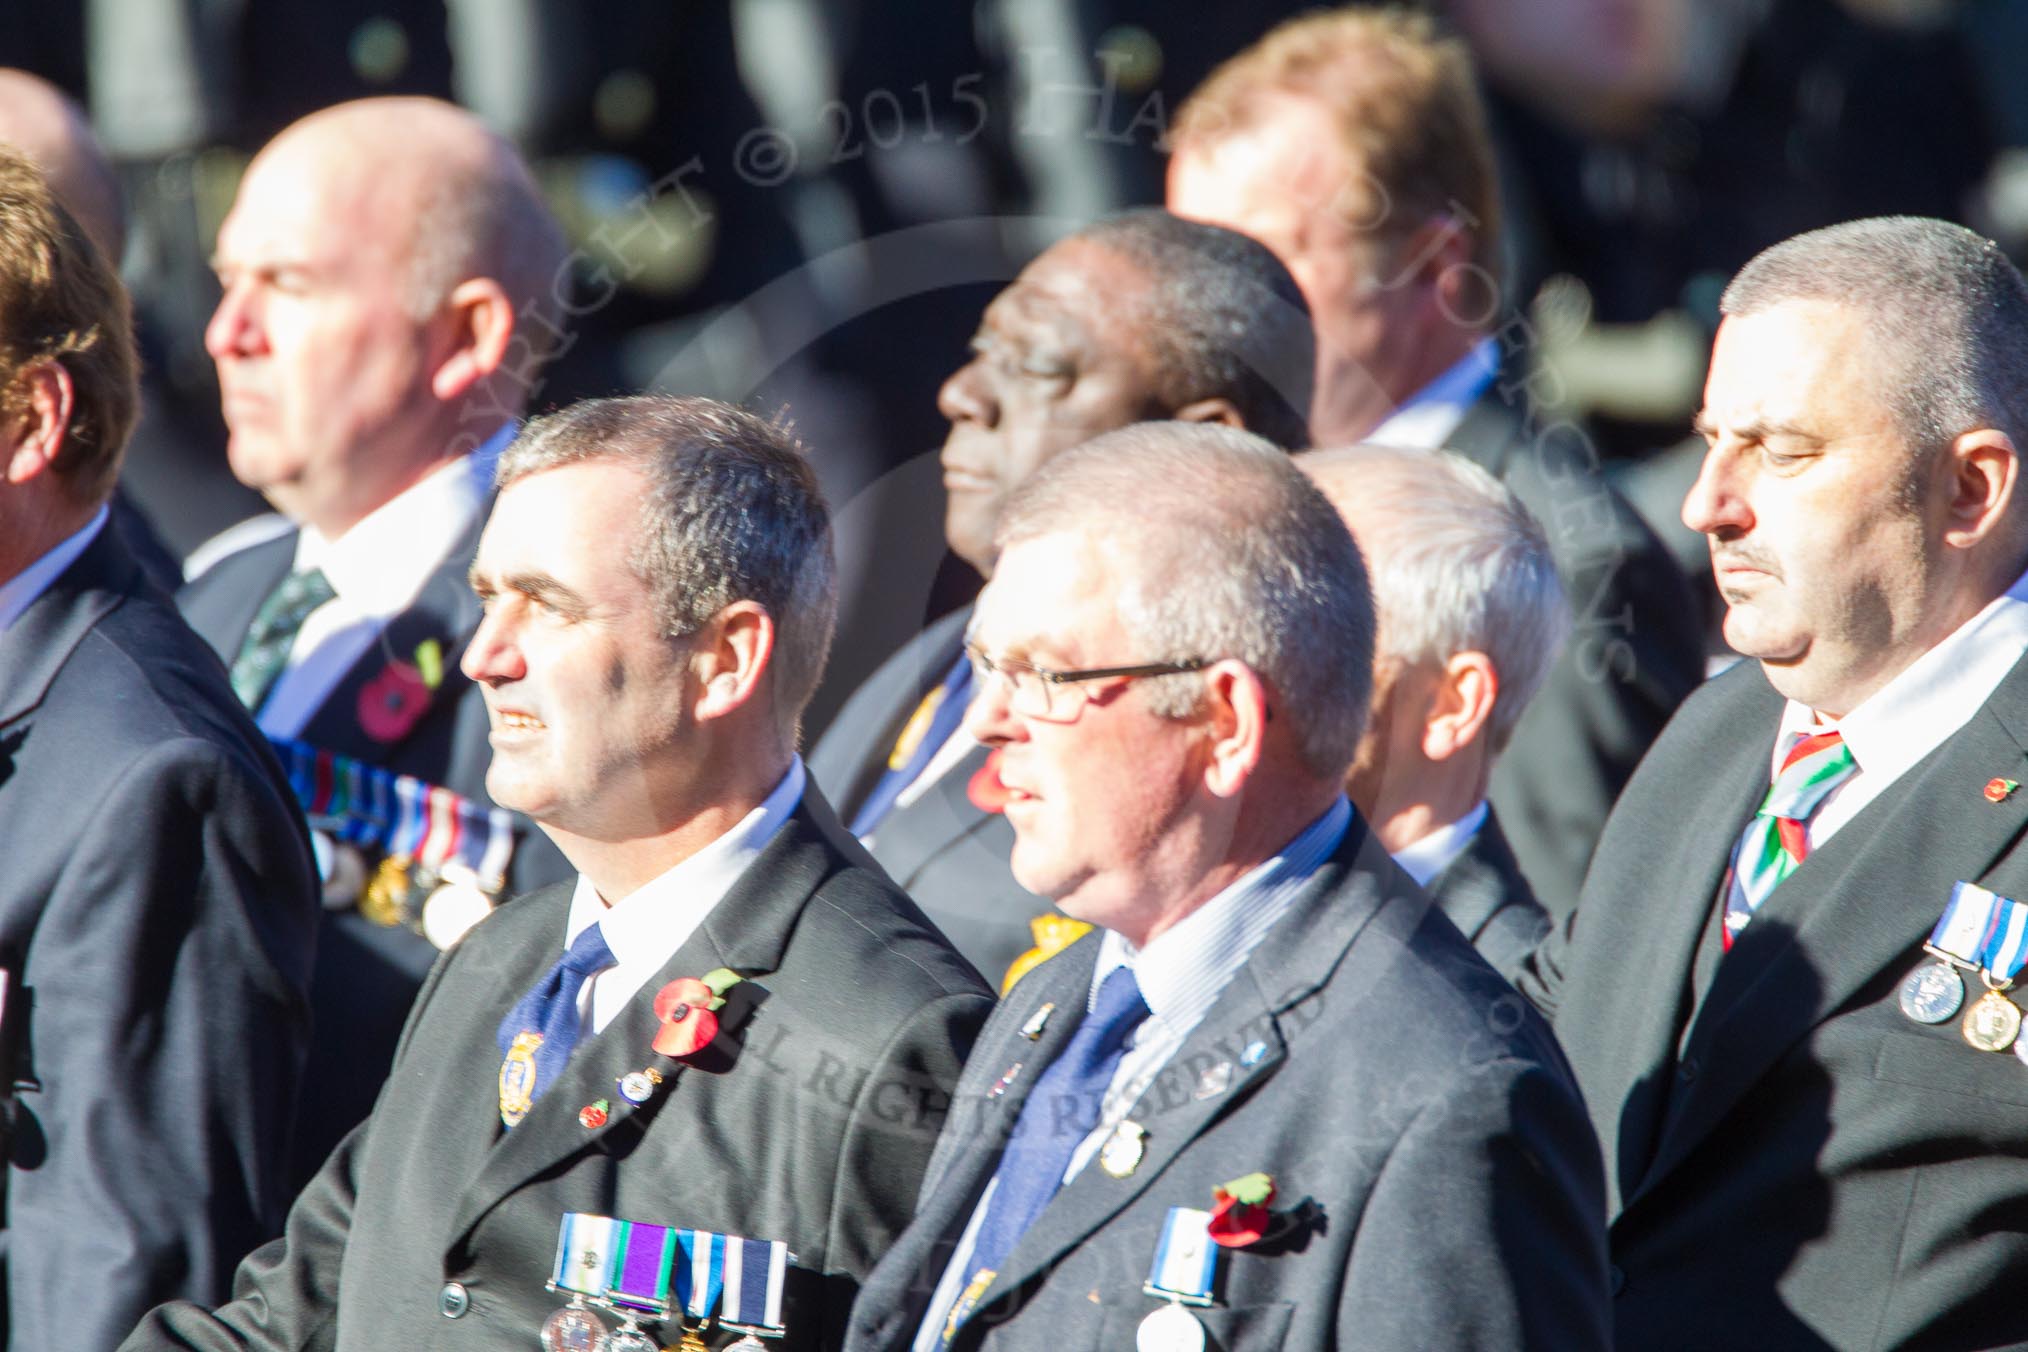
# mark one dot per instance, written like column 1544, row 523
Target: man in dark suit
column 1172, row 655
column 1813, row 1135
column 156, row 897
column 1471, row 617
column 1354, row 144
column 1140, row 316
column 389, row 274
column 659, row 594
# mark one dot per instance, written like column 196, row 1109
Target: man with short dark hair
column 1353, row 143
column 1786, row 989
column 1471, row 617
column 1276, row 1085
column 659, row 597
column 156, row 896
column 1142, row 316
column 390, row 274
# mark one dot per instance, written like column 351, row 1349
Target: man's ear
column 1217, row 409
column 36, row 437
column 1237, row 709
column 478, row 321
column 1461, row 705
column 729, row 657
column 1984, row 467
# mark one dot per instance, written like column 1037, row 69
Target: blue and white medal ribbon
column 755, row 1270
column 700, row 1271
column 1934, row 991
column 585, row 1254
column 1184, row 1270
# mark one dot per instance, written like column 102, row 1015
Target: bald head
column 41, row 122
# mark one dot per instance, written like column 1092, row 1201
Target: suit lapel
column 1479, row 881
column 1293, row 962
column 747, row 931
column 1859, row 906
column 35, row 649
column 936, row 650
column 381, row 700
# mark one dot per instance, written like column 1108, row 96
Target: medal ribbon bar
column 2006, row 940
column 1961, row 934
column 584, row 1254
column 700, row 1275
column 1186, row 1261
column 645, row 1269
column 754, row 1273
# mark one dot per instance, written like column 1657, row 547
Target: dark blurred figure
column 157, row 901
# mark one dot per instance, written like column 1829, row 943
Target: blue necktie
column 951, row 696
column 549, row 1010
column 1060, row 1112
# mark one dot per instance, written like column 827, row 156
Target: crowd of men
column 423, row 930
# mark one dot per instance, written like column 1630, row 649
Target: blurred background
column 805, row 204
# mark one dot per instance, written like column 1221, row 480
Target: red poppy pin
column 688, row 1008
column 1239, row 1211
column 392, row 702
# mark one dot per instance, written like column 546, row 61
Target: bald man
column 390, row 279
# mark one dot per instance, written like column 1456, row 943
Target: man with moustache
column 1143, row 316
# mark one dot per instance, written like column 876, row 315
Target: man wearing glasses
column 1172, row 660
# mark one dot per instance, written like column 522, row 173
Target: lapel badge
column 1037, row 1021
column 1255, row 1053
column 593, row 1115
column 1000, row 1085
column 638, row 1086
column 1214, row 1081
column 1122, row 1152
column 2000, row 790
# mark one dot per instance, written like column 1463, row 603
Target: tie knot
column 589, row 953
column 1119, row 1008
column 1814, row 766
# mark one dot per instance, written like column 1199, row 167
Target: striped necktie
column 1775, row 842
column 265, row 650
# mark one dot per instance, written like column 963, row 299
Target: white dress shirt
column 26, row 587
column 376, row 570
column 645, row 928
column 1423, row 859
column 1916, row 712
column 1428, row 417
column 1181, row 975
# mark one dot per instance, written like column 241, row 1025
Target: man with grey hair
column 728, row 1025
column 1471, row 615
column 1786, row 988
column 1140, row 316
column 1275, row 1081
column 390, row 275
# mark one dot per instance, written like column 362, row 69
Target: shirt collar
column 1182, row 972
column 22, row 590
column 1423, row 859
column 1428, row 417
column 1916, row 712
column 645, row 928
column 382, row 562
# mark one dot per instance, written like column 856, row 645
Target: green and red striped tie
column 1775, row 842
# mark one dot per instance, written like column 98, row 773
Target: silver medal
column 748, row 1344
column 1932, row 993
column 574, row 1329
column 1170, row 1329
column 630, row 1339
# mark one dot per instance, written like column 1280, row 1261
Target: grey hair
column 489, row 219
column 1944, row 308
column 1228, row 551
column 1457, row 563
column 1223, row 318
column 733, row 512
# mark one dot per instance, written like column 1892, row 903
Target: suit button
column 1617, row 1277
column 1688, row 1070
column 454, row 1300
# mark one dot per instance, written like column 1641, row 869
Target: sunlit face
column 323, row 371
column 1106, row 809
column 587, row 697
column 1056, row 361
column 1825, row 531
column 1287, row 180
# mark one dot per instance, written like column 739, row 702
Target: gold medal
column 381, row 901
column 517, row 1078
column 1993, row 1022
column 693, row 1341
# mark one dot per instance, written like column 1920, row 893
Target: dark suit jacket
column 367, row 975
column 1484, row 894
column 950, row 856
column 1635, row 650
column 810, row 1120
column 1438, row 1185
column 1791, row 1163
column 157, row 908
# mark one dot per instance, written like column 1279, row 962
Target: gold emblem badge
column 517, row 1078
